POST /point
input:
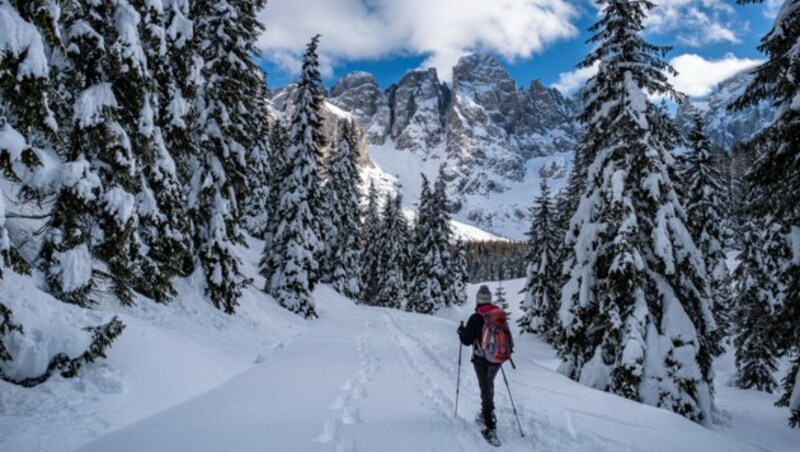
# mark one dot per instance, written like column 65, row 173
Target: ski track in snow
column 370, row 379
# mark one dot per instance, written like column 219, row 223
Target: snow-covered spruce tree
column 756, row 295
column 742, row 159
column 343, row 251
column 543, row 284
column 775, row 178
column 278, row 144
column 499, row 297
column 178, row 78
column 226, row 131
column 460, row 273
column 440, row 209
column 370, row 256
column 431, row 283
column 636, row 312
column 26, row 122
column 256, row 119
column 92, row 228
column 296, row 244
column 566, row 205
column 706, row 216
column 427, row 294
column 162, row 239
column 391, row 262
column 259, row 169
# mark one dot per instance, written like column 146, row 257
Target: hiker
column 486, row 370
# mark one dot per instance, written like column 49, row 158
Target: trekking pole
column 458, row 379
column 512, row 402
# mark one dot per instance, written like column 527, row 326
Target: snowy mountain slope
column 490, row 135
column 505, row 213
column 186, row 377
column 726, row 128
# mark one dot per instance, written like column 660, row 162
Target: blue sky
column 545, row 39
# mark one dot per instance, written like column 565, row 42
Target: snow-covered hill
column 187, row 377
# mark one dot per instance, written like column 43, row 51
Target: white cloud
column 697, row 76
column 696, row 22
column 443, row 30
column 569, row 82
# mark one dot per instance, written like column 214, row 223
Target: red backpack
column 495, row 343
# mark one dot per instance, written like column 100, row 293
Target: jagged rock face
column 726, row 129
column 417, row 105
column 359, row 94
column 481, row 124
column 484, row 129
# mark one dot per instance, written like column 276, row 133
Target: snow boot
column 490, row 435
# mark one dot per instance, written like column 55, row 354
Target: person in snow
column 486, row 371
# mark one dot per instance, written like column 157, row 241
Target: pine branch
column 102, row 338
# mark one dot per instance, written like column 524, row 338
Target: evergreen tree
column 775, row 181
column 163, row 241
column 427, row 293
column 278, row 144
column 27, row 124
column 705, row 203
column 460, row 273
column 755, row 305
column 370, row 231
column 635, row 312
column 296, row 244
column 542, row 287
column 742, row 159
column 259, row 170
column 179, row 79
column 440, row 222
column 391, row 261
column 230, row 118
column 92, row 229
column 344, row 247
column 500, row 295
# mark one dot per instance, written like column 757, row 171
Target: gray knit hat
column 483, row 296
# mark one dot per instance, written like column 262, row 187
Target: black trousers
column 486, row 372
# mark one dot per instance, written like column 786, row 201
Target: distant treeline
column 494, row 260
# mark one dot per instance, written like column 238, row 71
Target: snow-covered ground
column 504, row 214
column 186, row 377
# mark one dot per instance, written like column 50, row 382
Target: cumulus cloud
column 696, row 77
column 569, row 82
column 696, row 22
column 442, row 30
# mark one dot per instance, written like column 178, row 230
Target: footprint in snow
column 328, row 432
column 350, row 415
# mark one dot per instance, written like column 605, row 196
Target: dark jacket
column 471, row 333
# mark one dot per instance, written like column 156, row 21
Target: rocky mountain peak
column 359, row 94
column 481, row 71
